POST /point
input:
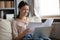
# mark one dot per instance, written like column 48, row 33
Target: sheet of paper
column 48, row 22
column 33, row 25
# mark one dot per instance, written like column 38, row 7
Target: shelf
column 6, row 0
column 7, row 8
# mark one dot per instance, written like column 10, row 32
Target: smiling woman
column 19, row 25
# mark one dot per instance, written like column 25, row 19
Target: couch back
column 5, row 30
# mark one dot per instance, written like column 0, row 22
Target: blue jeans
column 30, row 37
column 27, row 37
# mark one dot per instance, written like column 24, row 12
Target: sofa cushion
column 5, row 30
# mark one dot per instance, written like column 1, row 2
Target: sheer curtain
column 46, row 7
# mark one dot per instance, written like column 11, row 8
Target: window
column 46, row 8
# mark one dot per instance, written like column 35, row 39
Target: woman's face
column 24, row 10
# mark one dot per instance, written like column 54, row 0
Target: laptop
column 42, row 32
column 38, row 28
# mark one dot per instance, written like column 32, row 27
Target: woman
column 21, row 21
column 20, row 31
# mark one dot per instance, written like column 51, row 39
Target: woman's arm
column 14, row 30
column 21, row 35
column 16, row 35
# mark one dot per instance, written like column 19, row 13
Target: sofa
column 6, row 30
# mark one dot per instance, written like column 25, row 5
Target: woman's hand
column 20, row 36
column 26, row 31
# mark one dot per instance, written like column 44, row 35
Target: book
column 12, row 4
column 9, row 16
column 8, row 4
column 2, row 4
column 2, row 13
